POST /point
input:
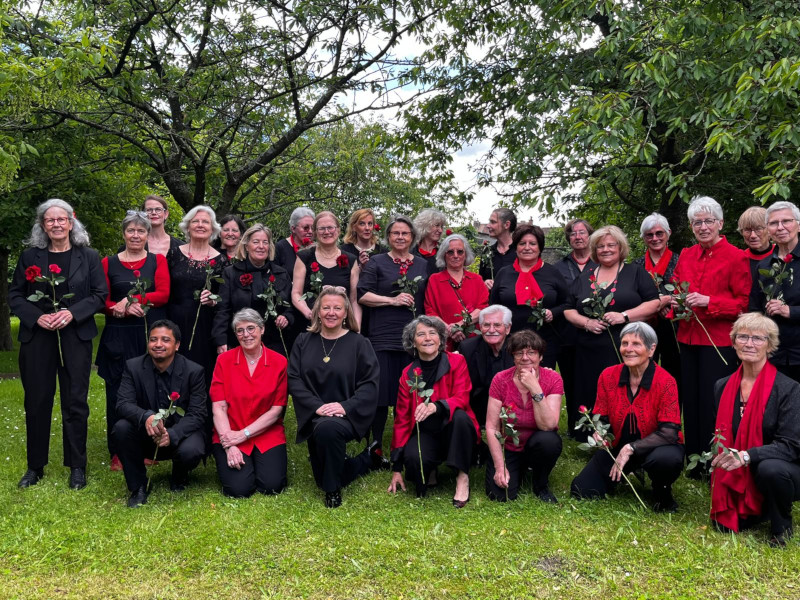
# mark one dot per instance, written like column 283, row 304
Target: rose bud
column 174, row 396
column 54, row 269
column 582, row 408
column 418, row 372
column 137, row 273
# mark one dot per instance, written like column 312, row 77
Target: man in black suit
column 486, row 356
column 147, row 384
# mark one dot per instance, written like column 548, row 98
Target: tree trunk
column 5, row 314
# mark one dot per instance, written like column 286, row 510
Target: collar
column 240, row 357
column 166, row 372
column 647, row 378
column 442, row 369
column 760, row 255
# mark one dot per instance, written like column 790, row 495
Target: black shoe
column 178, row 483
column 545, row 495
column 461, row 503
column 77, row 478
column 378, row 461
column 779, row 540
column 138, row 497
column 31, row 477
column 664, row 502
column 333, row 499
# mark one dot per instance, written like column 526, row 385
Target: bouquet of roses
column 417, row 387
column 140, row 288
column 210, row 276
column 273, row 301
column 34, row 273
column 596, row 305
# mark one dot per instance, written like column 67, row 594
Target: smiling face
column 751, row 346
column 427, row 341
column 607, row 251
column 161, row 346
column 249, row 335
column 706, row 228
column 200, row 226
column 783, row 227
column 436, row 233
column 155, row 212
column 579, row 237
column 135, row 237
column 656, row 239
column 56, row 224
column 455, row 255
column 527, row 359
column 230, row 235
column 493, row 330
column 633, row 351
column 399, row 237
column 332, row 312
column 327, row 232
column 528, row 250
column 258, row 248
column 364, row 230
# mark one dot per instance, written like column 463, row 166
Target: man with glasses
column 156, row 381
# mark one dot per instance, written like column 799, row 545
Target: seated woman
column 248, row 396
column 444, row 421
column 533, row 394
column 757, row 412
column 333, row 380
column 640, row 400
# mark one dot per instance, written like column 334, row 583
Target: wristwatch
column 625, row 315
column 537, row 397
column 745, row 457
column 246, row 432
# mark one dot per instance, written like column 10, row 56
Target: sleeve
column 109, row 302
column 734, row 302
column 554, row 383
column 481, row 294
column 667, row 434
column 127, row 406
column 496, row 388
column 161, row 281
column 368, row 281
column 305, row 400
column 283, row 285
column 95, row 300
column 601, row 403
column 282, row 389
column 362, row 402
column 195, row 417
column 644, row 284
column 669, row 409
column 217, row 389
column 460, row 386
column 431, row 304
column 494, row 294
column 27, row 311
column 785, row 444
column 562, row 294
column 403, row 414
column 222, row 312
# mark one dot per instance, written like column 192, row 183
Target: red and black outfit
column 721, row 272
column 649, row 420
column 767, row 426
column 125, row 338
column 446, row 299
column 249, row 397
column 448, row 435
column 757, row 257
column 429, row 256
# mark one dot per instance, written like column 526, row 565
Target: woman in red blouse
column 454, row 290
column 248, row 395
column 125, row 333
column 640, row 401
column 532, row 393
column 435, row 428
column 719, row 280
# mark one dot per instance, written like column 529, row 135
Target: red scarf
column 734, row 494
column 662, row 265
column 526, row 287
column 424, row 252
column 753, row 256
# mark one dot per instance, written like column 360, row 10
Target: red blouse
column 441, row 299
column 454, row 387
column 249, row 397
column 504, row 389
column 658, row 404
column 721, row 272
column 159, row 296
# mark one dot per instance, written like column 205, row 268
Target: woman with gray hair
column 248, row 400
column 454, row 294
column 430, row 224
column 138, row 290
column 433, row 421
column 780, row 300
column 719, row 283
column 301, row 235
column 639, row 400
column 57, row 287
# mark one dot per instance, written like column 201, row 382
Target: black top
column 667, row 278
column 569, row 269
column 285, row 256
column 550, row 281
column 351, row 248
column 62, row 259
column 483, row 365
column 781, row 425
column 349, row 378
column 430, row 260
column 336, row 275
column 788, row 353
column 387, row 322
column 498, row 261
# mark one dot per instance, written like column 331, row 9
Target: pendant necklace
column 255, row 360
column 327, row 357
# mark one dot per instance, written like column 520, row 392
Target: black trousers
column 701, row 367
column 779, row 481
column 441, row 440
column 261, row 472
column 39, row 365
column 663, row 465
column 540, row 452
column 134, row 445
column 566, row 364
column 327, row 446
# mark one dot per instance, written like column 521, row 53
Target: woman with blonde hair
column 361, row 235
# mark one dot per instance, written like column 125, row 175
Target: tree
column 641, row 102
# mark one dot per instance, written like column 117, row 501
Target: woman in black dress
column 56, row 343
column 390, row 309
column 527, row 281
column 635, row 298
column 361, row 235
column 254, row 273
column 125, row 333
column 324, row 264
column 333, row 381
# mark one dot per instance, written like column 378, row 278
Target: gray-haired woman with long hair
column 58, row 285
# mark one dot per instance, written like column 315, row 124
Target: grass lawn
column 58, row 543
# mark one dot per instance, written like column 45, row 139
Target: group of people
column 207, row 337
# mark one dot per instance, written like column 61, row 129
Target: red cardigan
column 721, row 272
column 659, row 404
column 454, row 386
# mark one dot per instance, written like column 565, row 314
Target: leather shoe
column 31, row 477
column 77, row 478
column 545, row 495
column 178, row 483
column 779, row 540
column 665, row 502
column 461, row 503
column 378, row 462
column 138, row 497
column 333, row 499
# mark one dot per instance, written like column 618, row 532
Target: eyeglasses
column 785, row 223
column 758, row 340
column 250, row 330
column 304, row 227
column 654, row 234
column 527, row 351
column 700, row 222
column 58, row 220
column 326, row 229
column 336, row 288
column 580, row 233
column 456, row 252
column 752, row 230
column 154, row 211
column 400, row 233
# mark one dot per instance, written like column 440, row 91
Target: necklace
column 322, row 255
column 255, row 360
column 189, row 255
column 128, row 258
column 575, row 258
column 327, row 354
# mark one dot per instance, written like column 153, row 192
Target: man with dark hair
column 151, row 383
column 502, row 224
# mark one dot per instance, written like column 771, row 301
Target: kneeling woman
column 333, row 380
column 640, row 400
column 444, row 421
column 248, row 396
column 758, row 413
column 533, row 394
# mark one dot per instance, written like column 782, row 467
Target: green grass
column 58, row 543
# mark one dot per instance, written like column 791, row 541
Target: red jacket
column 653, row 405
column 721, row 272
column 453, row 386
column 441, row 299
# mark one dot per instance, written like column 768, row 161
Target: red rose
column 212, row 262
column 272, row 278
column 613, row 290
column 449, row 232
column 787, row 258
column 314, row 267
column 32, row 272
column 403, row 271
column 306, row 241
column 54, row 269
column 137, row 273
column 376, row 227
column 582, row 408
column 417, row 372
column 342, row 261
column 246, row 279
column 592, row 278
column 611, row 303
column 174, row 396
column 485, row 243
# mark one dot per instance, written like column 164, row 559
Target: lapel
column 178, row 373
column 74, row 263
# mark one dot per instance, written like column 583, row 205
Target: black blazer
column 136, row 398
column 85, row 279
column 476, row 352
